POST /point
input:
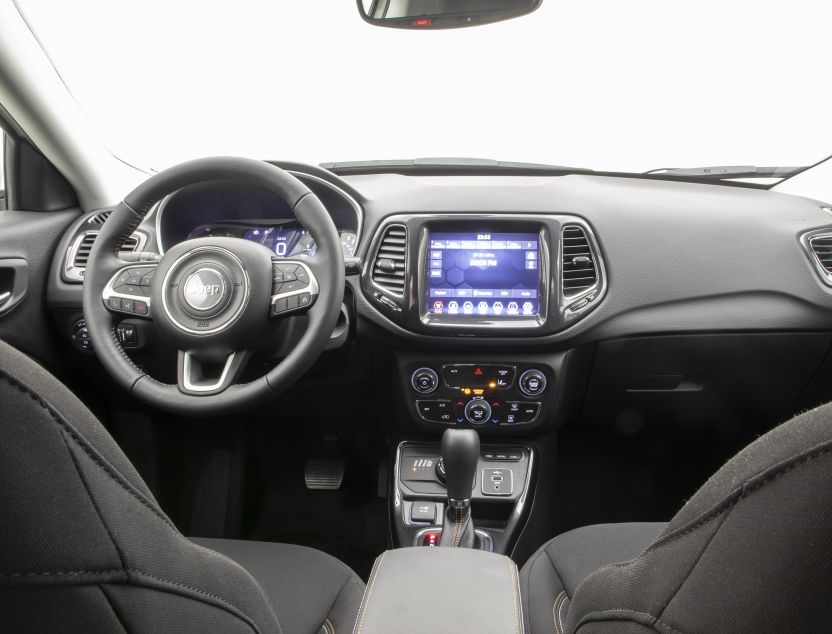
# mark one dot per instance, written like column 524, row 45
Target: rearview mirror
column 442, row 14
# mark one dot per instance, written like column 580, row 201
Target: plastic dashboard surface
column 679, row 257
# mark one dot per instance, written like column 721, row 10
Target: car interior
column 416, row 395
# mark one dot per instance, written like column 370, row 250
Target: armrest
column 421, row 590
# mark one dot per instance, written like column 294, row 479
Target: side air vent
column 78, row 253
column 390, row 264
column 819, row 249
column 82, row 252
column 580, row 269
column 822, row 248
column 100, row 218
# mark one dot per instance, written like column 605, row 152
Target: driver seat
column 85, row 546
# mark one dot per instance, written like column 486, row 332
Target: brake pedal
column 323, row 474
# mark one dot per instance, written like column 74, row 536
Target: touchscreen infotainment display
column 483, row 274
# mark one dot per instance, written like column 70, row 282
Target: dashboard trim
column 359, row 211
column 73, row 273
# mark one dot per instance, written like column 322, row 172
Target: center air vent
column 100, row 218
column 580, row 269
column 390, row 264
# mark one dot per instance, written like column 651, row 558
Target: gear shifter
column 460, row 454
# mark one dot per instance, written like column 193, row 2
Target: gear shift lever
column 460, row 454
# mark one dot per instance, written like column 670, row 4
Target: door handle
column 14, row 281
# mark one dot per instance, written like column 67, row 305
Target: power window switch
column 423, row 512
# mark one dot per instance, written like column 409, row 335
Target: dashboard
column 678, row 297
column 251, row 213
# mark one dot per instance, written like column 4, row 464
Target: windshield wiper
column 720, row 172
column 448, row 165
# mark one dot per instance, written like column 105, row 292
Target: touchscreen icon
column 468, row 308
column 482, row 308
column 512, row 308
column 528, row 308
column 437, row 307
column 453, row 308
column 498, row 308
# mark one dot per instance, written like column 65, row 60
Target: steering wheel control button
column 140, row 308
column 477, row 412
column 532, row 382
column 304, row 299
column 424, row 380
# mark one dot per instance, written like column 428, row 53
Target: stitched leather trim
column 515, row 590
column 752, row 485
column 88, row 449
column 369, row 595
column 557, row 612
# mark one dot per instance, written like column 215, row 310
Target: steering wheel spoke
column 294, row 287
column 202, row 376
column 128, row 291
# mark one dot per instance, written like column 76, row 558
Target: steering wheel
column 214, row 300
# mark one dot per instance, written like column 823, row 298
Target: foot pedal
column 323, row 474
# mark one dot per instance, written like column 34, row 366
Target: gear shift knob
column 460, row 453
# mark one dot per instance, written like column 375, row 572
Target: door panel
column 27, row 245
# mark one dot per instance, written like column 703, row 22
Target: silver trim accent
column 208, row 387
column 482, row 482
column 806, row 242
column 569, row 306
column 4, row 297
column 486, row 537
column 359, row 211
column 228, row 323
column 312, row 288
column 413, row 380
column 76, row 273
column 532, row 394
column 378, row 237
column 109, row 292
column 521, row 501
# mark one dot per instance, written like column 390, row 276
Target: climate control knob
column 424, row 380
column 532, row 382
column 477, row 412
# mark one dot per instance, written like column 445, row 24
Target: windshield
column 605, row 84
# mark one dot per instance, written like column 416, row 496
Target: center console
column 418, row 590
column 501, row 488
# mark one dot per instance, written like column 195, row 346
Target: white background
column 609, row 84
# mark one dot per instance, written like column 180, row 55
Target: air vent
column 580, row 270
column 390, row 264
column 100, row 218
column 78, row 253
column 82, row 252
column 822, row 248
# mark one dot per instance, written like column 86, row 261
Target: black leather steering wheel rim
column 104, row 261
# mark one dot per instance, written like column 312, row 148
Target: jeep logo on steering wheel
column 204, row 289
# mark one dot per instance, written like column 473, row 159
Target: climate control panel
column 479, row 395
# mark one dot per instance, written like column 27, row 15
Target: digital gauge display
column 285, row 241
